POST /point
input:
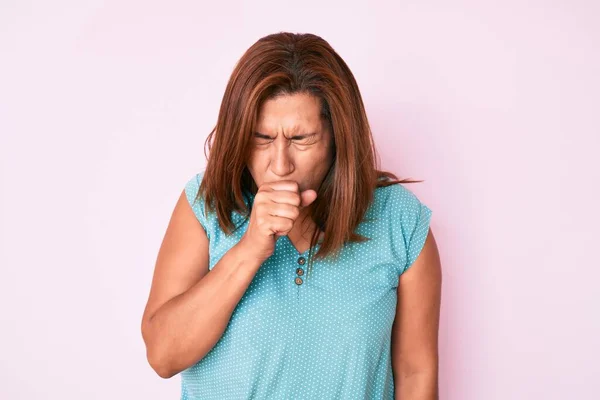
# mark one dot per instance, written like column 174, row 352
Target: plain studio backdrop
column 104, row 109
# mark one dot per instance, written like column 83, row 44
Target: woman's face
column 291, row 142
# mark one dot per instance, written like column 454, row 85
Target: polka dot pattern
column 325, row 337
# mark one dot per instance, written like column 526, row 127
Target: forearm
column 187, row 327
column 417, row 386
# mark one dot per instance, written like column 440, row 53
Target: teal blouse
column 328, row 337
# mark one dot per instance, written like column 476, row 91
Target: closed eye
column 261, row 139
column 302, row 137
column 301, row 140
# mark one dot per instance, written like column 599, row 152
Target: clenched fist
column 276, row 206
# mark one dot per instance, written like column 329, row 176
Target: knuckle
column 295, row 212
column 260, row 195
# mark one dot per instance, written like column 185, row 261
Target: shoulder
column 408, row 220
column 398, row 200
column 193, row 184
column 192, row 187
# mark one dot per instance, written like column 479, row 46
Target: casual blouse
column 326, row 337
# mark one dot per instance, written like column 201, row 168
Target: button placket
column 299, row 271
column 301, row 292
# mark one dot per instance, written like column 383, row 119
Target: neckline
column 304, row 253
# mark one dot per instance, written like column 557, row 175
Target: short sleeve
column 409, row 221
column 196, row 202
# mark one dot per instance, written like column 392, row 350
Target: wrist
column 246, row 251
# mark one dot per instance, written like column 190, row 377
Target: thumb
column 308, row 196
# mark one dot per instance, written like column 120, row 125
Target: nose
column 281, row 160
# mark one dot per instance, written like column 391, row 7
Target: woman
column 324, row 275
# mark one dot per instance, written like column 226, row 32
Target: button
column 298, row 281
column 300, row 271
column 301, row 260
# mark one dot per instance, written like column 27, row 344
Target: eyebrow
column 306, row 135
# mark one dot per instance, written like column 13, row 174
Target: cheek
column 319, row 161
column 323, row 157
column 257, row 159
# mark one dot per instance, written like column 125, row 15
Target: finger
column 284, row 211
column 290, row 185
column 280, row 226
column 308, row 196
column 285, row 197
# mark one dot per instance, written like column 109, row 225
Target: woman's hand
column 276, row 207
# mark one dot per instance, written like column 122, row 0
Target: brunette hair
column 283, row 64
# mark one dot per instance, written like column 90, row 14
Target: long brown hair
column 287, row 63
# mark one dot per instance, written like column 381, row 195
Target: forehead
column 290, row 112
